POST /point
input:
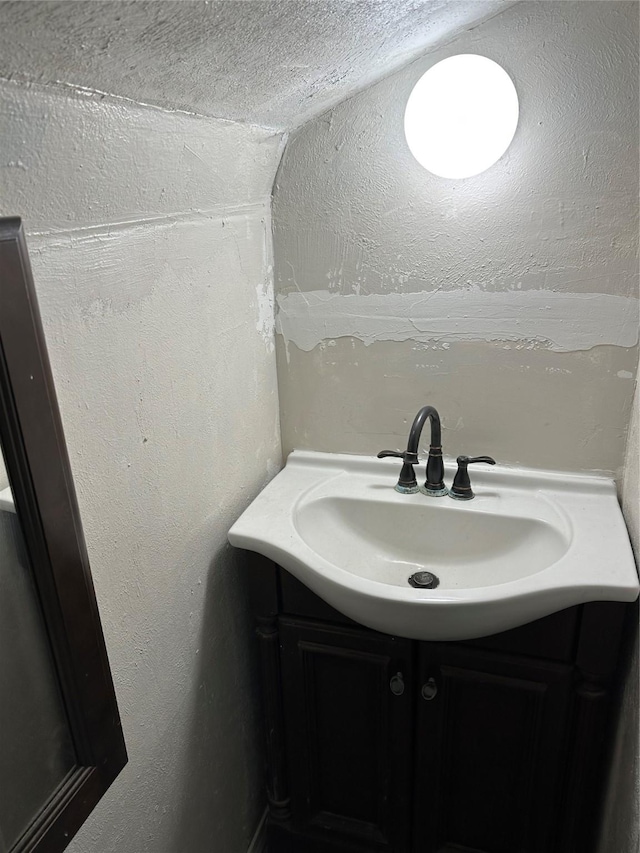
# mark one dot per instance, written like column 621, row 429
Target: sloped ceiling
column 275, row 63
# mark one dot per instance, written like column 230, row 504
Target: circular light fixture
column 461, row 116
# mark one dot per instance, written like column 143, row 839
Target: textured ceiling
column 275, row 63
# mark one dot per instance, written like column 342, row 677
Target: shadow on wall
column 220, row 762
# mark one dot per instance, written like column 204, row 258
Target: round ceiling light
column 461, row 116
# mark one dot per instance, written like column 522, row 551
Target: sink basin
column 388, row 541
column 529, row 544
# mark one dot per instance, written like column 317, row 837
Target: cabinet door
column 491, row 747
column 348, row 720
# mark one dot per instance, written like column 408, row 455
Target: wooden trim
column 271, row 678
column 41, row 480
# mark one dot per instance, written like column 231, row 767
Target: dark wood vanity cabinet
column 489, row 750
column 349, row 758
column 379, row 743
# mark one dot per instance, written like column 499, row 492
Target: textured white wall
column 149, row 234
column 496, row 290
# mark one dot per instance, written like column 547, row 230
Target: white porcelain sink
column 388, row 541
column 529, row 544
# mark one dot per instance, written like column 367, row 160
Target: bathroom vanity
column 379, row 743
column 470, row 715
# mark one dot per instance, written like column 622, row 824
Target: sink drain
column 424, row 580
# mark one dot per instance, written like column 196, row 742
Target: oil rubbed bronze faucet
column 407, row 483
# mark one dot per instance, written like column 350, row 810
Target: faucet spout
column 407, row 483
column 434, row 484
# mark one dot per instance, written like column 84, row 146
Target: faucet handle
column 461, row 489
column 407, row 483
column 406, row 456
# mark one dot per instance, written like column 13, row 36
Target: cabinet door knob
column 397, row 684
column 429, row 690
